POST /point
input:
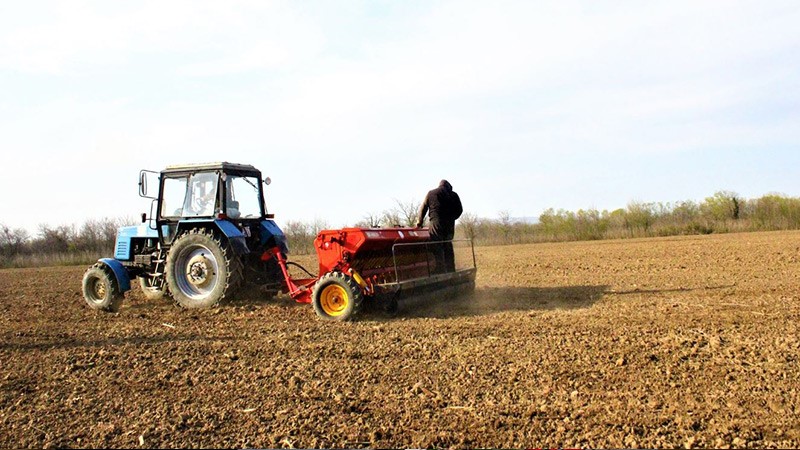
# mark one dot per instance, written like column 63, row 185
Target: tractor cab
column 224, row 196
column 219, row 191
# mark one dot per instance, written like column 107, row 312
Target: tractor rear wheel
column 201, row 270
column 101, row 289
column 337, row 296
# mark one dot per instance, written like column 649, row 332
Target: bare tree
column 371, row 220
column 58, row 239
column 317, row 226
column 408, row 212
column 468, row 223
column 299, row 235
column 12, row 242
column 107, row 233
column 90, row 236
column 391, row 218
column 639, row 216
column 505, row 226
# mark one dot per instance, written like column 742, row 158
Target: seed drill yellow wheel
column 337, row 296
column 333, row 300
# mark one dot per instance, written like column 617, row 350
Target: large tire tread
column 112, row 299
column 349, row 285
column 228, row 259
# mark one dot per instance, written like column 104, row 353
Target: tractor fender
column 120, row 273
column 234, row 235
column 269, row 230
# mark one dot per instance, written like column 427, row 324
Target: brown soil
column 678, row 342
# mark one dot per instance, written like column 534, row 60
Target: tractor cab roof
column 213, row 166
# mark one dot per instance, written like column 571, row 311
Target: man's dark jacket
column 443, row 207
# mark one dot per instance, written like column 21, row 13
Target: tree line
column 723, row 212
column 59, row 245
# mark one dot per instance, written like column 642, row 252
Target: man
column 443, row 207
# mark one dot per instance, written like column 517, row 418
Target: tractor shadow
column 493, row 300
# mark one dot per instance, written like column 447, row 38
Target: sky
column 352, row 106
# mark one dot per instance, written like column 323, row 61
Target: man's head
column 446, row 184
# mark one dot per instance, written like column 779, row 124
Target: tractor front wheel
column 337, row 296
column 201, row 270
column 101, row 289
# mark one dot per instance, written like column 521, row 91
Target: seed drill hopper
column 380, row 265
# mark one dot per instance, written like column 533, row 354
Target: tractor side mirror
column 142, row 184
column 267, row 181
column 143, row 177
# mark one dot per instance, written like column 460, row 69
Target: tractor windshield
column 243, row 200
column 192, row 196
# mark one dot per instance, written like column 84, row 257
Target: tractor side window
column 173, row 197
column 243, row 201
column 201, row 200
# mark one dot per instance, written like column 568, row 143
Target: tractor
column 207, row 229
column 208, row 234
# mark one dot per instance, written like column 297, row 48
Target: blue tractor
column 205, row 238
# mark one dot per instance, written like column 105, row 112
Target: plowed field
column 673, row 342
